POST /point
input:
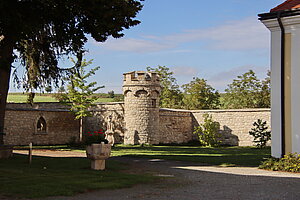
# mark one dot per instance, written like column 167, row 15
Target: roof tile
column 287, row 5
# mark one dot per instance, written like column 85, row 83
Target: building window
column 41, row 125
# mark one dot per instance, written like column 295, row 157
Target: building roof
column 287, row 5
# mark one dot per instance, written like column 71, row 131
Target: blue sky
column 215, row 40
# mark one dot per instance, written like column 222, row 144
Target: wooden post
column 30, row 152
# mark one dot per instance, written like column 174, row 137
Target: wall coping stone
column 218, row 111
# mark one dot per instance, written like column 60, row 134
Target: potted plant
column 97, row 149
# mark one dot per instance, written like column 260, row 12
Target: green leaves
column 80, row 93
column 260, row 133
column 247, row 91
column 171, row 96
column 208, row 132
column 199, row 95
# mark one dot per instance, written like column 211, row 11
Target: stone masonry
column 137, row 120
column 141, row 96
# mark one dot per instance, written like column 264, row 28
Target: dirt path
column 190, row 181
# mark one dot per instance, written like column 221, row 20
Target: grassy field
column 21, row 98
column 61, row 176
column 223, row 156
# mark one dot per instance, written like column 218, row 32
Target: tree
column 79, row 94
column 111, row 94
column 260, row 133
column 171, row 96
column 265, row 94
column 42, row 31
column 199, row 95
column 247, row 92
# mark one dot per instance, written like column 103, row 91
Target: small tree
column 208, row 132
column 79, row 95
column 111, row 94
column 260, row 133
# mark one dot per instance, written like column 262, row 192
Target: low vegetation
column 208, row 132
column 289, row 163
column 61, row 176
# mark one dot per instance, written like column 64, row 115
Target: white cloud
column 245, row 34
column 184, row 71
column 136, row 45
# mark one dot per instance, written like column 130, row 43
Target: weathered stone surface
column 235, row 124
column 144, row 123
column 21, row 125
column 141, row 109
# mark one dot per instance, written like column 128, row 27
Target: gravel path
column 190, row 181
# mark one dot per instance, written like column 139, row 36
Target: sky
column 216, row 40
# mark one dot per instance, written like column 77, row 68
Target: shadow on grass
column 48, row 176
column 225, row 156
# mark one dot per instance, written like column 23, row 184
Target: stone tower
column 141, row 97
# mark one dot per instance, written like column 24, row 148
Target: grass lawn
column 60, row 176
column 223, row 156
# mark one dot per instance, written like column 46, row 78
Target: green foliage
column 42, row 31
column 289, row 163
column 248, row 92
column 111, row 94
column 171, row 96
column 79, row 95
column 208, row 132
column 199, row 95
column 260, row 133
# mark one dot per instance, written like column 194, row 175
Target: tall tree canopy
column 200, row 95
column 39, row 32
column 171, row 96
column 247, row 91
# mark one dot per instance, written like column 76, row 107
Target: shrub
column 260, row 133
column 208, row 132
column 289, row 163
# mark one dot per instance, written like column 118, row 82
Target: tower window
column 154, row 103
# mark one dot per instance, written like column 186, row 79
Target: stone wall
column 235, row 124
column 101, row 114
column 21, row 124
column 175, row 126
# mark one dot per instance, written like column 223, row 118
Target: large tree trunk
column 6, row 59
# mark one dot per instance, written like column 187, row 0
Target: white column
column 275, row 85
column 295, row 85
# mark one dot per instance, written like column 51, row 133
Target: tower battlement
column 141, row 78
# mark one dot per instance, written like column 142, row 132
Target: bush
column 208, row 132
column 260, row 133
column 289, row 163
